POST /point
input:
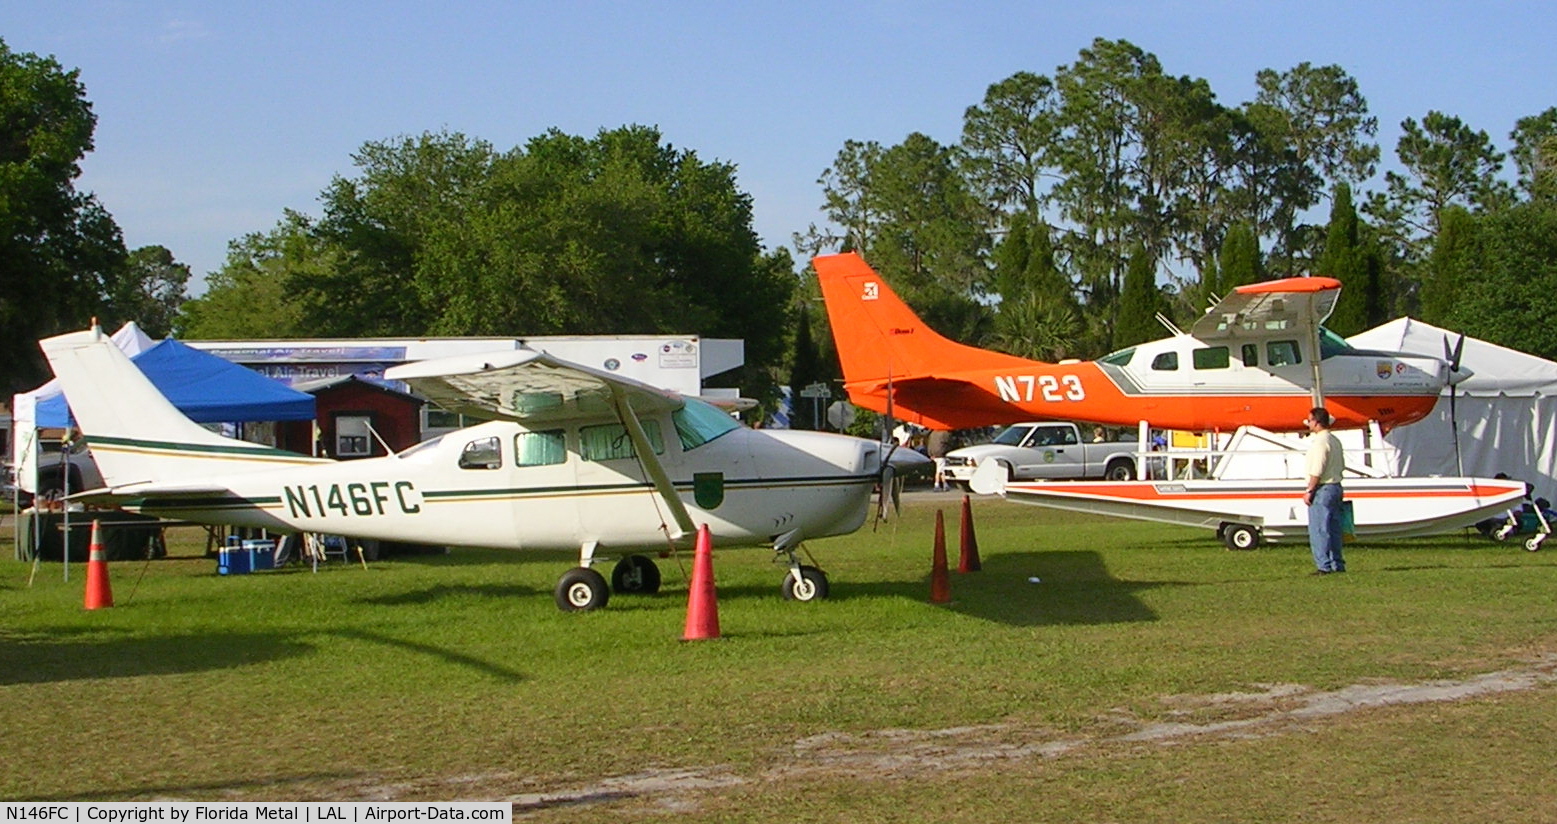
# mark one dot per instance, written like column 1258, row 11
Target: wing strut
column 1318, row 370
column 651, row 462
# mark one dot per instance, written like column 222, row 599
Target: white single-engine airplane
column 571, row 458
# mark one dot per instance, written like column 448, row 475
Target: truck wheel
column 1120, row 471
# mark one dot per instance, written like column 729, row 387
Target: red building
column 349, row 412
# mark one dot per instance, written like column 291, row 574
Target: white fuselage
column 494, row 485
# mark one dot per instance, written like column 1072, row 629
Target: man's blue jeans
column 1324, row 528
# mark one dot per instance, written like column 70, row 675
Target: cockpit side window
column 540, row 448
column 609, row 441
column 1211, row 357
column 1166, row 362
column 1282, row 353
column 486, row 453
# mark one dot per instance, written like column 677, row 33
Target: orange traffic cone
column 969, row 541
column 702, row 603
column 98, row 593
column 940, row 581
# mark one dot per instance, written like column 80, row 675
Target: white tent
column 24, row 447
column 1507, row 410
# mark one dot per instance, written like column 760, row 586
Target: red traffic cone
column 702, row 603
column 969, row 541
column 98, row 593
column 940, row 581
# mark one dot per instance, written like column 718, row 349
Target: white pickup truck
column 1046, row 451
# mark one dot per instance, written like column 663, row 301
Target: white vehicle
column 1048, row 451
column 574, row 459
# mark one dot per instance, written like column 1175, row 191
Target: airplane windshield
column 1120, row 358
column 1332, row 344
column 427, row 444
column 698, row 422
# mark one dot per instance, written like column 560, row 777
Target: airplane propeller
column 888, row 480
column 1455, row 377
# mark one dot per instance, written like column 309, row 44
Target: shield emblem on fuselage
column 708, row 489
column 1385, row 369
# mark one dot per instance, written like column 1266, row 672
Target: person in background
column 1326, row 461
column 1097, row 434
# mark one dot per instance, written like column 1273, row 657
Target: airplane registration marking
column 362, row 499
column 1025, row 388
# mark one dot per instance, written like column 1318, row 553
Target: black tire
column 636, row 575
column 812, row 585
column 581, row 590
column 1120, row 471
column 1240, row 537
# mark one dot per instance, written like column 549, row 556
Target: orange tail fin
column 880, row 339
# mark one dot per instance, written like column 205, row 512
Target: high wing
column 533, row 387
column 1271, row 307
column 526, row 386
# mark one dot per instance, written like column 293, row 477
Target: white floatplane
column 1246, row 512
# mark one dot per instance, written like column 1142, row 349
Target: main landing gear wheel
column 581, row 589
column 1534, row 544
column 637, row 575
column 1240, row 537
column 812, row 585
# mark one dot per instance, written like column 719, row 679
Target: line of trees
column 1074, row 208
column 62, row 257
column 1079, row 205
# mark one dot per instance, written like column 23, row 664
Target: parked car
column 1046, row 451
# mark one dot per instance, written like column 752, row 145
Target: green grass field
column 1150, row 675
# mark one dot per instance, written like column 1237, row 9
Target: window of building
column 352, row 438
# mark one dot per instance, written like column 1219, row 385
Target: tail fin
column 136, row 435
column 879, row 338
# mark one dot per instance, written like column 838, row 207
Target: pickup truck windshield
column 1012, row 435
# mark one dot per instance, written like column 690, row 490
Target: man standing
column 1323, row 497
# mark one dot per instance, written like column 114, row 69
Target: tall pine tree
column 1343, row 260
column 1139, row 301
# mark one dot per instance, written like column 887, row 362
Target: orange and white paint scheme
column 1259, row 357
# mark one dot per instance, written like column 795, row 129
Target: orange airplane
column 1249, row 361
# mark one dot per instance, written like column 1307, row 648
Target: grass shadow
column 487, row 668
column 1072, row 588
column 445, row 591
column 46, row 658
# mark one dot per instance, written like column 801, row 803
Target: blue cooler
column 239, row 558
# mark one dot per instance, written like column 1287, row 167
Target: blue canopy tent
column 205, row 387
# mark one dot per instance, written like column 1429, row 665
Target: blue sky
column 213, row 117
